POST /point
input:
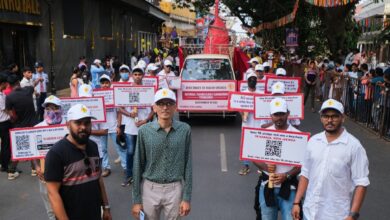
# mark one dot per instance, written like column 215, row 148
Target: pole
column 51, row 35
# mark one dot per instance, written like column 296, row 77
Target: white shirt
column 251, row 121
column 248, row 71
column 26, row 82
column 130, row 127
column 111, row 122
column 41, row 84
column 44, row 123
column 133, row 62
column 281, row 168
column 333, row 170
column 3, row 114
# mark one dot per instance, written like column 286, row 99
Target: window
column 207, row 69
column 72, row 11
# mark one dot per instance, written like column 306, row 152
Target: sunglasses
column 168, row 104
column 87, row 163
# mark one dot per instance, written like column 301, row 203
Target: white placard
column 292, row 84
column 163, row 83
column 280, row 147
column 242, row 102
column 260, row 86
column 205, row 96
column 174, row 82
column 135, row 96
column 34, row 143
column 294, row 105
column 95, row 104
column 107, row 94
column 150, row 81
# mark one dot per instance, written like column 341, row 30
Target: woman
column 75, row 82
column 311, row 75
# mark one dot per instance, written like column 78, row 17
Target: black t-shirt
column 21, row 100
column 80, row 193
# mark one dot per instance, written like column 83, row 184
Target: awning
column 376, row 9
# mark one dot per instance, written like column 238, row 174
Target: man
column 41, row 79
column 151, row 70
column 252, row 62
column 73, row 172
column 124, row 72
column 162, row 163
column 282, row 177
column 281, row 72
column 96, row 71
column 133, row 60
column 334, row 172
column 164, row 73
column 260, row 71
column 83, row 63
column 20, row 106
column 28, row 81
column 134, row 118
column 5, row 125
column 267, row 68
column 52, row 116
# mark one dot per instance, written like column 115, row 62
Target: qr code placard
column 134, row 97
column 273, row 148
column 22, row 142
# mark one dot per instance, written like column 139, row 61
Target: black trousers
column 5, row 153
column 40, row 100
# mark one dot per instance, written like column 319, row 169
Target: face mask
column 53, row 117
column 124, row 76
column 252, row 84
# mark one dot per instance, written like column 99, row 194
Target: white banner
column 205, row 96
column 294, row 105
column 280, row 147
column 34, row 143
column 242, row 102
column 292, row 84
column 107, row 94
column 136, row 96
column 95, row 104
column 260, row 86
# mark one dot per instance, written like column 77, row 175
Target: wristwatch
column 106, row 207
column 354, row 215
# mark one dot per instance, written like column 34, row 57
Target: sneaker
column 127, row 182
column 12, row 176
column 117, row 160
column 106, row 172
column 33, row 173
column 244, row 170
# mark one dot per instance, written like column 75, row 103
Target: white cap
column 332, row 104
column 124, row 67
column 78, row 112
column 52, row 100
column 259, row 67
column 280, row 72
column 278, row 88
column 278, row 105
column 85, row 90
column 266, row 64
column 142, row 64
column 253, row 60
column 251, row 75
column 167, row 62
column 151, row 67
column 105, row 76
column 164, row 94
column 97, row 61
column 138, row 68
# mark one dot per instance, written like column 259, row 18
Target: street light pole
column 51, row 42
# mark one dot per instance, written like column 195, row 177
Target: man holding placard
column 279, row 182
column 334, row 172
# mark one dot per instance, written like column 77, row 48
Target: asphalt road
column 218, row 191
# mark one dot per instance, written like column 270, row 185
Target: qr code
column 134, row 97
column 23, row 142
column 273, row 148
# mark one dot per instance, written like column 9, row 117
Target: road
column 218, row 191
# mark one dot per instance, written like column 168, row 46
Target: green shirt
column 163, row 157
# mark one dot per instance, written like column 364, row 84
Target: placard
column 242, row 102
column 205, row 96
column 174, row 82
column 134, row 96
column 292, row 84
column 274, row 146
column 294, row 105
column 107, row 94
column 150, row 81
column 260, row 86
column 34, row 142
column 95, row 104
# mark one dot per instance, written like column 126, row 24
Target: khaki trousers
column 158, row 197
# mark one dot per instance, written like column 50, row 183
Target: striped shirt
column 163, row 157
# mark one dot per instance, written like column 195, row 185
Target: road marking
column 223, row 152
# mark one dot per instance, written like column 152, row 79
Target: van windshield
column 207, row 69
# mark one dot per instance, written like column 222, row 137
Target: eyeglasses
column 332, row 117
column 87, row 163
column 168, row 104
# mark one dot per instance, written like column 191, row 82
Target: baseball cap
column 278, row 88
column 38, row 64
column 167, row 63
column 85, row 90
column 280, row 71
column 151, row 67
column 78, row 112
column 332, row 104
column 142, row 64
column 278, row 105
column 138, row 68
column 266, row 64
column 253, row 60
column 259, row 67
column 104, row 76
column 52, row 100
column 126, row 67
column 164, row 94
column 97, row 61
column 251, row 75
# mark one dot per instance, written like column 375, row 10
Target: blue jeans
column 285, row 206
column 130, row 142
column 121, row 152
